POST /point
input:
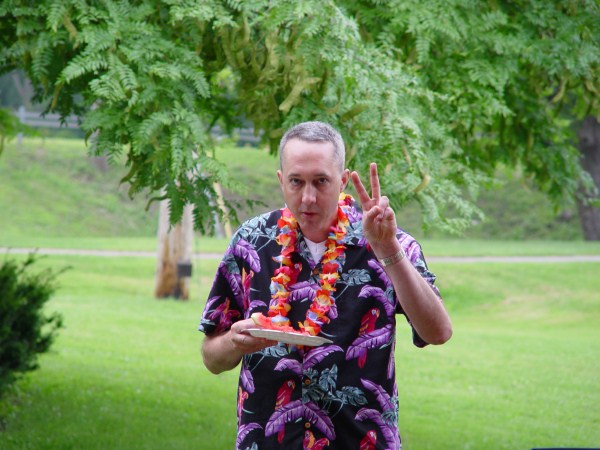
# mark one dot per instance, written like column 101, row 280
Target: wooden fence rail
column 245, row 136
column 50, row 120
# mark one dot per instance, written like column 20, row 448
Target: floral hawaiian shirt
column 336, row 396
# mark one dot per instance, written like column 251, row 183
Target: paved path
column 430, row 259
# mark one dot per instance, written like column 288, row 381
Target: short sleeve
column 414, row 254
column 223, row 306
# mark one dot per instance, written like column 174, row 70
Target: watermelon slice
column 273, row 323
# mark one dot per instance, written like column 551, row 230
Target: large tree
column 516, row 77
column 438, row 92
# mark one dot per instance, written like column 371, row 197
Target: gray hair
column 315, row 132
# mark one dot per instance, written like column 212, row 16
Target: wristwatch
column 396, row 257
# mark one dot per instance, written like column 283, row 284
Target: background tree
column 438, row 92
column 516, row 78
column 589, row 145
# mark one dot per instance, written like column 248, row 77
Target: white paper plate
column 288, row 338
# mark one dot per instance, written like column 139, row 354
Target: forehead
column 300, row 156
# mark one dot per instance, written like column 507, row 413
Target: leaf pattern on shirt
column 246, row 379
column 221, row 315
column 297, row 410
column 251, row 230
column 356, row 277
column 380, row 295
column 378, row 338
column 387, row 417
column 243, row 432
column 312, row 357
column 320, row 388
column 247, row 253
column 303, row 291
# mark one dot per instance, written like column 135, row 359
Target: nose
column 309, row 194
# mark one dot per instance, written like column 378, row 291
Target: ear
column 345, row 178
column 280, row 178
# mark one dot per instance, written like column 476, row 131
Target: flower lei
column 287, row 273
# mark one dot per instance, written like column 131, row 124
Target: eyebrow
column 317, row 175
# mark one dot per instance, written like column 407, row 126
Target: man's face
column 311, row 182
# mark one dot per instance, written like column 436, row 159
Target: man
column 331, row 271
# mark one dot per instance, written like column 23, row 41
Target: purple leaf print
column 374, row 339
column 296, row 410
column 407, row 242
column 390, row 368
column 217, row 313
column 390, row 434
column 223, row 315
column 354, row 215
column 370, row 414
column 318, row 354
column 243, row 431
column 254, row 306
column 235, row 282
column 319, row 419
column 333, row 312
column 379, row 295
column 243, row 249
column 246, row 379
column 305, row 292
column 380, row 394
column 211, row 301
column 291, row 364
column 303, row 284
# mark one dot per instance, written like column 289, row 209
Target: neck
column 316, row 237
column 319, row 235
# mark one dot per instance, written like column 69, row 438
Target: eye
column 295, row 181
column 322, row 181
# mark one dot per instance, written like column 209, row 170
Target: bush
column 25, row 331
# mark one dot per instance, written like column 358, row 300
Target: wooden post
column 175, row 246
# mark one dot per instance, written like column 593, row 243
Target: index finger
column 363, row 195
column 375, row 187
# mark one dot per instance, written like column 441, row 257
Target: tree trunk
column 589, row 146
column 174, row 254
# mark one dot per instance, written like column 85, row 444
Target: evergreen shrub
column 25, row 330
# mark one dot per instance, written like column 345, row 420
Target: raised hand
column 379, row 220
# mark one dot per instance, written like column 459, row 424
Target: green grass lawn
column 431, row 247
column 125, row 373
column 521, row 370
column 51, row 189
